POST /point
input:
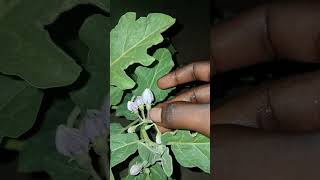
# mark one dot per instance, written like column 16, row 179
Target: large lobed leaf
column 95, row 33
column 27, row 49
column 147, row 77
column 190, row 150
column 129, row 42
column 19, row 105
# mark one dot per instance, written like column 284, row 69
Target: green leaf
column 129, row 42
column 94, row 32
column 157, row 173
column 141, row 176
column 122, row 146
column 27, row 49
column 43, row 145
column 152, row 154
column 166, row 162
column 115, row 128
column 116, row 95
column 147, row 77
column 19, row 106
column 189, row 150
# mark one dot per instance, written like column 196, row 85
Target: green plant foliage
column 19, row 105
column 94, row 32
column 146, row 77
column 28, row 50
column 122, row 146
column 190, row 150
column 129, row 42
column 40, row 154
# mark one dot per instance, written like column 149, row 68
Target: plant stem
column 12, row 144
column 73, row 116
column 131, row 124
column 93, row 173
column 145, row 136
column 142, row 112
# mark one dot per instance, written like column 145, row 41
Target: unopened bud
column 135, row 169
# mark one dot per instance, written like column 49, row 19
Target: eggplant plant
column 134, row 92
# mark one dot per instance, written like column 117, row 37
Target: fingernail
column 155, row 114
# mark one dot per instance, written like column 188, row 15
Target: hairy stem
column 73, row 116
column 131, row 124
column 145, row 136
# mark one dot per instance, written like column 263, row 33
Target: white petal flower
column 132, row 106
column 139, row 101
column 147, row 96
column 135, row 169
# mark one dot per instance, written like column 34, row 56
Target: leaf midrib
column 136, row 45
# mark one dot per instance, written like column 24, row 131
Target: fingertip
column 163, row 82
column 155, row 114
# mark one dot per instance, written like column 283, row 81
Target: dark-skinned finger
column 200, row 94
column 191, row 72
column 183, row 115
column 290, row 104
column 265, row 33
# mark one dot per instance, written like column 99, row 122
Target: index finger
column 191, row 72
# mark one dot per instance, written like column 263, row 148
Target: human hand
column 189, row 110
column 272, row 31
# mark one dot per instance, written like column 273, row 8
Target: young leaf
column 28, row 50
column 150, row 153
column 188, row 150
column 129, row 42
column 122, row 146
column 166, row 162
column 94, row 32
column 19, row 105
column 157, row 173
column 147, row 77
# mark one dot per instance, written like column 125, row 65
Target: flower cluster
column 146, row 99
column 75, row 142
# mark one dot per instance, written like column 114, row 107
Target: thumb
column 183, row 115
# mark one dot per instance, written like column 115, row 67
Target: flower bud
column 132, row 129
column 158, row 138
column 135, row 169
column 147, row 96
column 70, row 142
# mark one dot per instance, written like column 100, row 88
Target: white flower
column 139, row 101
column 135, row 169
column 147, row 96
column 132, row 106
